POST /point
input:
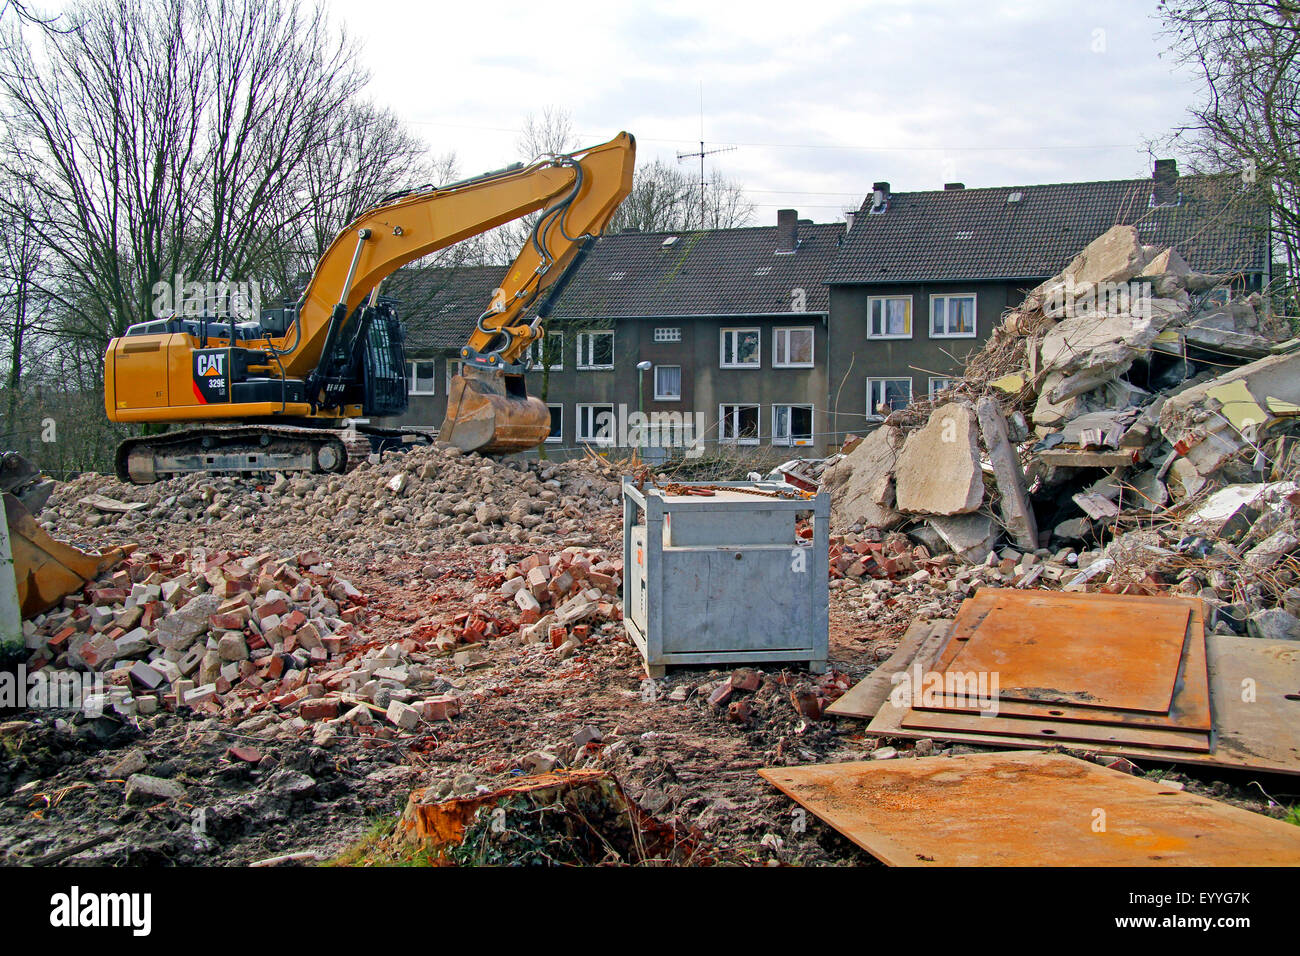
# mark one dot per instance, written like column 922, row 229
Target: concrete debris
column 1151, row 465
column 938, row 470
column 861, row 483
column 410, row 503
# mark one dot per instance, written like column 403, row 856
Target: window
column 668, row 335
column 557, row 423
column 596, row 350
column 1220, row 295
column 551, row 348
column 738, row 424
column 885, row 395
column 952, row 316
column 453, row 369
column 792, row 424
column 422, row 379
column 741, row 348
column 596, row 424
column 668, row 383
column 938, row 383
column 891, row 317
column 792, row 348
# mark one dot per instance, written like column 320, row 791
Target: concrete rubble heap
column 417, row 501
column 1121, row 431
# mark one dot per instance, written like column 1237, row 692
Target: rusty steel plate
column 922, row 641
column 1189, row 710
column 1029, row 809
column 1117, row 652
column 1059, row 731
column 1261, row 733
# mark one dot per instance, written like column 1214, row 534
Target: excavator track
column 238, row 449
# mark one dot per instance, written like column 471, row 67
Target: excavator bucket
column 490, row 411
column 46, row 570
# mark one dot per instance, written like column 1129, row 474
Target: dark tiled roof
column 709, row 272
column 439, row 306
column 969, row 234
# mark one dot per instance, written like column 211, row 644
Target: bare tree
column 1248, row 120
column 23, row 303
column 164, row 137
column 366, row 156
column 665, row 198
column 542, row 135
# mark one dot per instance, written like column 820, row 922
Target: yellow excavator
column 274, row 394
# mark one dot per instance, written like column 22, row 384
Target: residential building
column 923, row 278
column 734, row 324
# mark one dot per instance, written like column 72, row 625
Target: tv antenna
column 700, row 154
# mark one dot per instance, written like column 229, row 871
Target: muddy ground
column 682, row 759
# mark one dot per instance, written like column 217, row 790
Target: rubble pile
column 416, row 501
column 1125, row 430
column 221, row 633
column 561, row 596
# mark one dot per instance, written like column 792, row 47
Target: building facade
column 798, row 334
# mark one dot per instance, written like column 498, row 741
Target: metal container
column 724, row 579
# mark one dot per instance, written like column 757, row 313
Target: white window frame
column 586, row 350
column 668, row 333
column 789, row 440
column 954, row 335
column 871, row 325
column 587, row 439
column 533, row 357
column 872, row 404
column 776, row 346
column 722, row 348
column 453, row 366
column 556, row 439
column 667, row 398
column 412, row 382
column 734, row 415
column 936, row 387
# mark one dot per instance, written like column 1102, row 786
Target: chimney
column 1165, row 178
column 950, row 186
column 787, row 230
column 849, row 216
column 879, row 197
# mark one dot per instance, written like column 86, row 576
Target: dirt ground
column 682, row 759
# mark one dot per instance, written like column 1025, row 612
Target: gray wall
column 704, row 386
column 858, row 358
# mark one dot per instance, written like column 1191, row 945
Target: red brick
column 279, row 607
column 443, row 707
column 320, row 708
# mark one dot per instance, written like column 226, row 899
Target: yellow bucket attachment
column 489, row 411
column 47, row 570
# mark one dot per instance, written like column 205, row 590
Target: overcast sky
column 819, row 99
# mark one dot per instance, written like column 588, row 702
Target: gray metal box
column 724, row 579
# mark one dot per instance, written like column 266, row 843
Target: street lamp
column 641, row 369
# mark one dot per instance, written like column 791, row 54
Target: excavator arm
column 578, row 194
column 488, row 407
